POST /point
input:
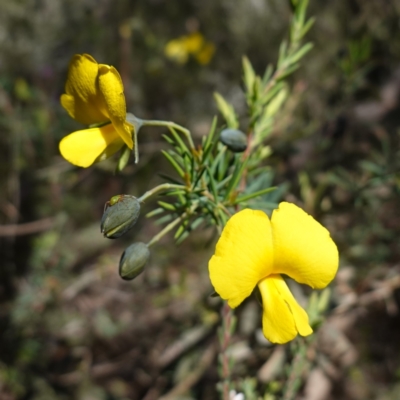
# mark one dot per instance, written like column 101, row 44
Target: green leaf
column 184, row 227
column 178, row 169
column 282, row 53
column 307, row 26
column 262, row 129
column 189, row 228
column 213, row 185
column 300, row 53
column 222, row 216
column 188, row 161
column 210, row 136
column 227, row 111
column 182, row 237
column 164, row 219
column 175, row 193
column 250, row 196
column 263, row 180
column 196, row 223
column 166, row 206
column 264, row 205
column 224, row 163
column 237, row 174
column 288, row 71
column 155, row 212
column 300, row 12
column 249, row 76
column 260, row 172
column 123, row 159
column 180, row 145
column 267, row 74
column 170, row 179
column 276, row 103
column 198, row 177
column 371, row 167
column 180, row 230
column 168, row 139
column 218, row 159
column 272, row 93
column 222, row 183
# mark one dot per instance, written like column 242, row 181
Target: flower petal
column 83, row 148
column 83, row 100
column 243, row 256
column 303, row 248
column 176, row 51
column 111, row 87
column 283, row 318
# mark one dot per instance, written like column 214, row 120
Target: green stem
column 160, row 188
column 170, row 124
column 172, row 225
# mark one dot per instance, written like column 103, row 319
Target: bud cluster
column 120, row 215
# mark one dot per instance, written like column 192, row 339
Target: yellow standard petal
column 283, row 317
column 112, row 89
column 83, row 100
column 83, row 148
column 303, row 248
column 243, row 256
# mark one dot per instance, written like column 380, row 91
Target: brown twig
column 28, row 228
column 225, row 336
column 191, row 379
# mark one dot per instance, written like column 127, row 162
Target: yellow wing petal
column 83, row 148
column 283, row 318
column 243, row 256
column 83, row 100
column 303, row 248
column 112, row 89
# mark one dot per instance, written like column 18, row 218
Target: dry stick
column 183, row 386
column 225, row 339
column 298, row 366
column 190, row 339
column 28, row 228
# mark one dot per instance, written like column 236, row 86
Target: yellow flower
column 176, row 50
column 193, row 42
column 205, row 55
column 255, row 250
column 94, row 96
column 181, row 48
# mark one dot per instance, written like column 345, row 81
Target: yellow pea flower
column 194, row 44
column 255, row 250
column 94, row 96
column 176, row 50
column 205, row 55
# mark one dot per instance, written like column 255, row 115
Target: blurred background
column 70, row 328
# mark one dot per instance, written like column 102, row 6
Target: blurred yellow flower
column 180, row 49
column 206, row 53
column 255, row 250
column 94, row 96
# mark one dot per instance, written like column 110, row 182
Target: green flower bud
column 133, row 261
column 234, row 139
column 120, row 214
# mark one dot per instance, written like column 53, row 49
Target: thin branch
column 160, row 188
column 29, row 228
column 191, row 379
